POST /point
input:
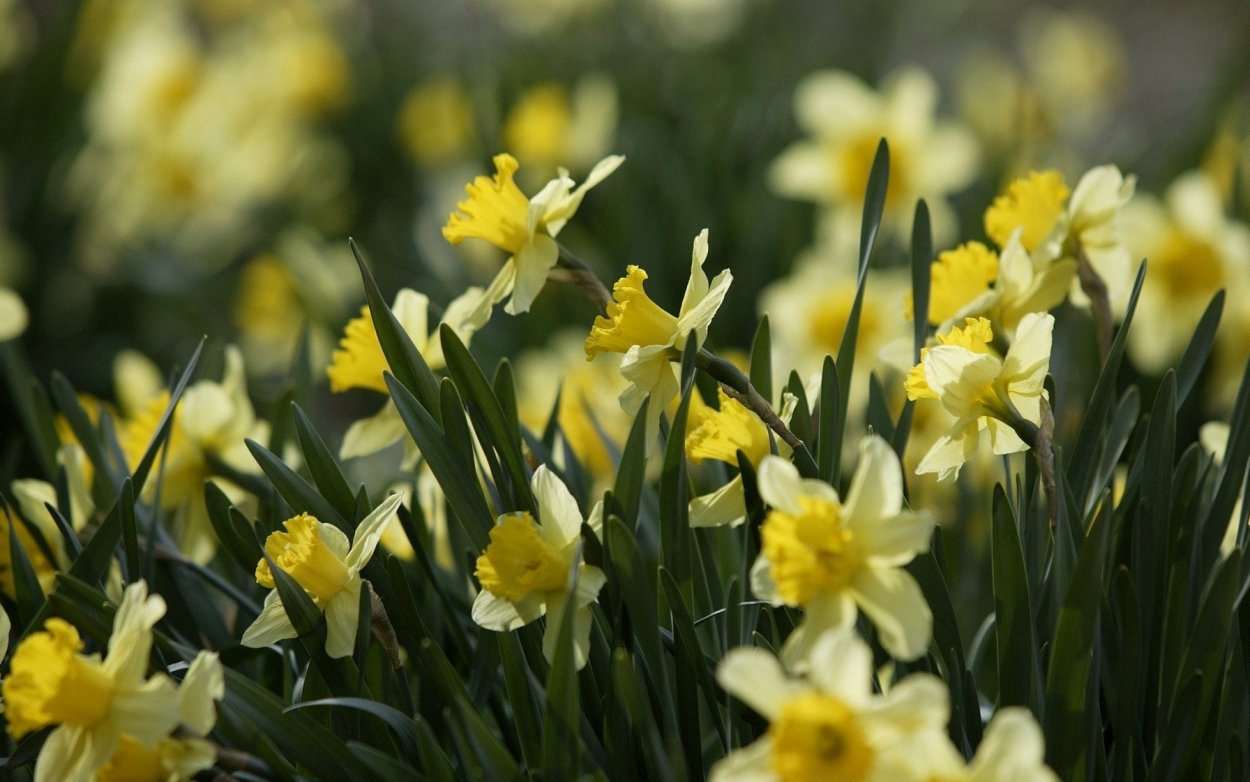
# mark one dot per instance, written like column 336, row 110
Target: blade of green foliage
column 560, row 744
column 323, row 467
column 1016, row 644
column 630, row 473
column 494, row 429
column 928, row 573
column 433, row 761
column 457, row 478
column 1072, row 653
column 401, row 725
column 31, row 405
column 302, row 496
column 1125, row 681
column 921, row 271
column 1199, row 349
column 692, row 669
column 761, row 363
column 878, row 415
column 383, row 766
column 631, row 701
column 402, row 357
column 26, row 588
column 525, row 705
column 828, row 427
column 229, row 529
column 675, row 494
column 107, row 477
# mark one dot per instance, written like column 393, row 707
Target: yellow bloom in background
column 651, row 338
column 327, row 566
column 359, row 362
column 435, row 122
column 550, row 125
column 530, row 566
column 499, row 213
column 13, row 315
column 1193, row 249
column 45, row 569
column 92, row 702
column 833, row 558
column 983, row 391
column 845, row 119
column 1013, row 748
column 830, row 725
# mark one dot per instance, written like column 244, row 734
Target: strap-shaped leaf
column 323, row 467
column 761, row 365
column 302, row 496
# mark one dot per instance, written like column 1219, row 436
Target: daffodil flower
column 833, row 558
column 13, row 315
column 534, row 567
column 982, row 390
column 322, row 561
column 650, row 338
column 720, row 433
column 1013, row 748
column 830, row 725
column 525, row 228
column 359, row 363
column 93, row 702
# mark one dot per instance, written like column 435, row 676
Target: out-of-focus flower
column 16, row 31
column 591, row 421
column 181, row 755
column 210, row 423
column 30, row 495
column 830, row 725
column 540, row 18
column 845, row 120
column 359, row 362
column 650, row 338
column 694, row 23
column 327, row 566
column 1054, row 228
column 1013, row 749
column 833, row 558
column 1214, row 439
column 435, row 122
column 499, row 213
column 548, row 127
column 534, row 567
column 1192, row 250
column 982, row 390
column 93, row 702
column 13, row 315
column 720, row 433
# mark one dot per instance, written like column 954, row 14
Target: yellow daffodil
column 435, row 122
column 13, row 315
column 534, row 567
column 833, row 558
column 1013, row 748
column 92, row 702
column 845, row 120
column 651, row 338
column 359, row 362
column 1056, row 224
column 32, row 498
column 322, row 561
column 719, row 433
column 499, row 213
column 181, row 755
column 982, row 390
column 830, row 725
column 549, row 125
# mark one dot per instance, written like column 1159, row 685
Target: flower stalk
column 1093, row 285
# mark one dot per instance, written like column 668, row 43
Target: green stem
column 1099, row 303
column 570, row 268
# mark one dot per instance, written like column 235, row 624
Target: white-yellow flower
column 1013, row 748
column 327, row 566
column 831, row 726
column 833, row 558
column 845, row 120
column 93, row 702
column 534, row 567
column 497, row 212
column 651, row 338
column 13, row 315
column 359, row 362
column 982, row 390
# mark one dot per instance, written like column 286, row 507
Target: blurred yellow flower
column 327, row 566
column 651, row 338
column 530, row 566
column 13, row 315
column 93, row 702
column 499, row 213
column 435, row 122
column 845, row 120
column 1013, row 748
column 550, row 126
column 833, row 558
column 830, row 725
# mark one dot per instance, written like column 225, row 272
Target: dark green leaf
column 323, row 467
column 761, row 367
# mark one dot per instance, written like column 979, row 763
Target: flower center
column 359, row 361
column 818, row 737
column 810, row 553
column 855, row 161
column 724, row 432
column 1033, row 204
column 495, row 211
column 518, row 562
column 632, row 319
column 132, row 762
column 302, row 553
column 1188, row 266
column 959, row 276
column 50, row 682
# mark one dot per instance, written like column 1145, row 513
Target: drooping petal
column 893, row 601
column 342, row 619
column 148, row 712
column 199, row 691
column 724, row 507
column 369, row 532
column 535, row 259
column 840, row 664
column 876, row 493
column 373, row 434
column 271, row 626
column 949, row 452
column 495, row 613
